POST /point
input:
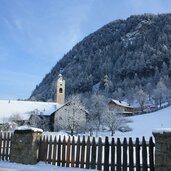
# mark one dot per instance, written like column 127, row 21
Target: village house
column 122, row 106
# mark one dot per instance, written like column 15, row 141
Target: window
column 60, row 90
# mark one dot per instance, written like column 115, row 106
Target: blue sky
column 35, row 34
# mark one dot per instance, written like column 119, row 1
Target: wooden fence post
column 113, row 155
column 73, row 152
column 59, row 151
column 88, row 154
column 106, row 155
column 50, row 150
column 125, row 155
column 54, row 152
column 0, row 145
column 63, row 152
column 68, row 153
column 93, row 154
column 131, row 159
column 99, row 162
column 83, row 152
column 137, row 149
column 118, row 166
column 151, row 154
column 144, row 154
column 78, row 152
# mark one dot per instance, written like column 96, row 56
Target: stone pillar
column 25, row 145
column 162, row 149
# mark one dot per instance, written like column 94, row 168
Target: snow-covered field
column 141, row 125
column 23, row 108
column 41, row 166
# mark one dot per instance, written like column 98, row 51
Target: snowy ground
column 23, row 108
column 41, row 166
column 142, row 125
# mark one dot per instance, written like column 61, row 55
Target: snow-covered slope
column 23, row 108
column 143, row 125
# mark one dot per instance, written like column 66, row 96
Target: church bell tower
column 60, row 95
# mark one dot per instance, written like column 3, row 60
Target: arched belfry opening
column 60, row 90
column 60, row 95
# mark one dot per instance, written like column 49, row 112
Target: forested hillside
column 123, row 59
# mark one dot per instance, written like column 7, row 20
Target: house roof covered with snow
column 25, row 109
column 121, row 103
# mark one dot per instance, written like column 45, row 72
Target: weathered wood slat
column 88, row 154
column 113, row 155
column 151, row 154
column 50, row 151
column 59, row 151
column 46, row 149
column 0, row 145
column 40, row 149
column 68, row 152
column 131, row 159
column 83, row 152
column 106, row 155
column 99, row 161
column 137, row 151
column 78, row 152
column 63, row 152
column 93, row 154
column 118, row 165
column 125, row 155
column 144, row 155
column 54, row 151
column 73, row 153
column 7, row 147
column 10, row 146
column 3, row 148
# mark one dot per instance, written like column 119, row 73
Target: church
column 46, row 122
column 50, row 122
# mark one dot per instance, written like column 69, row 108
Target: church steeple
column 60, row 95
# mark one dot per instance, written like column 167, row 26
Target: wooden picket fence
column 97, row 154
column 5, row 144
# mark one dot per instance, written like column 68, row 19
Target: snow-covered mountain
column 119, row 59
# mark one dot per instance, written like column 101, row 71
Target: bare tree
column 141, row 98
column 73, row 115
column 160, row 92
column 15, row 117
column 113, row 120
column 98, row 106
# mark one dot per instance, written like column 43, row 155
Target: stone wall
column 25, row 145
column 162, row 149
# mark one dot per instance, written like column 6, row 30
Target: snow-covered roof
column 25, row 108
column 28, row 128
column 162, row 130
column 122, row 103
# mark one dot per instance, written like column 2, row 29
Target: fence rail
column 97, row 154
column 5, row 144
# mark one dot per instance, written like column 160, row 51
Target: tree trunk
column 72, row 132
column 112, row 132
